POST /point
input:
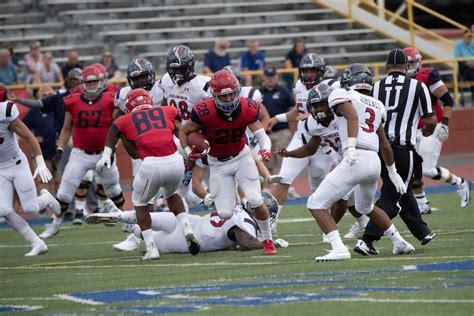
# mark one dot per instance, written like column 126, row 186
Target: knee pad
column 99, row 191
column 438, row 173
column 417, row 184
column 31, row 208
column 113, row 190
column 255, row 200
column 118, row 200
column 225, row 214
column 64, row 206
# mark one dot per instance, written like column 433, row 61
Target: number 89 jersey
column 185, row 96
column 151, row 130
column 371, row 113
column 91, row 119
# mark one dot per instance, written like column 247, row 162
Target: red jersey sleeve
column 433, row 77
column 68, row 102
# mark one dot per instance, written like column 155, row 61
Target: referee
column 405, row 100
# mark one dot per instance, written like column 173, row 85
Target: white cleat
column 53, row 203
column 50, row 231
column 130, row 244
column 355, row 232
column 464, row 192
column 335, row 255
column 109, row 207
column 151, row 254
column 102, row 218
column 402, row 248
column 37, row 249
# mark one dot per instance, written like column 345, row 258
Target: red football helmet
column 3, row 92
column 414, row 60
column 138, row 99
column 105, row 74
column 225, row 89
column 92, row 80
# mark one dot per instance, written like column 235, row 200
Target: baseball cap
column 270, row 72
column 397, row 57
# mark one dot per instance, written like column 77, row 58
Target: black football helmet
column 331, row 72
column 271, row 204
column 141, row 74
column 180, row 64
column 234, row 71
column 357, row 77
column 311, row 61
column 317, row 103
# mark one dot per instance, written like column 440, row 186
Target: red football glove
column 264, row 155
column 195, row 155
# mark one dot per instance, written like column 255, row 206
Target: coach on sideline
column 405, row 100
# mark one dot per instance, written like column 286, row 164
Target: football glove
column 264, row 155
column 41, row 170
column 443, row 133
column 396, row 179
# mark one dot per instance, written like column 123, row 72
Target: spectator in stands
column 252, row 59
column 14, row 60
column 465, row 48
column 218, row 57
column 72, row 62
column 31, row 60
column 48, row 71
column 277, row 100
column 292, row 60
column 109, row 62
column 8, row 74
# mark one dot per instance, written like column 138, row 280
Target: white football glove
column 208, row 200
column 351, row 156
column 105, row 160
column 443, row 133
column 280, row 243
column 396, row 179
column 274, row 178
column 41, row 170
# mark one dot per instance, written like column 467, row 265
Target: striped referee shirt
column 406, row 100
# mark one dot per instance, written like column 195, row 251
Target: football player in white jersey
column 182, row 88
column 359, row 121
column 213, row 232
column 15, row 175
column 311, row 70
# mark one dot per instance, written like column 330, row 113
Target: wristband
column 445, row 121
column 392, row 169
column 40, row 160
column 188, row 150
column 282, row 118
column 351, row 141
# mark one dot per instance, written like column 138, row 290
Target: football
column 199, row 140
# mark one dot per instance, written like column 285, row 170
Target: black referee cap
column 397, row 57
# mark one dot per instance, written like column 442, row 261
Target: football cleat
column 51, row 230
column 365, row 249
column 193, row 244
column 403, row 247
column 151, row 254
column 292, row 194
column 425, row 207
column 354, row 232
column 37, row 249
column 78, row 217
column 335, row 255
column 464, row 192
column 269, row 247
column 53, row 203
column 102, row 218
column 130, row 244
column 428, row 238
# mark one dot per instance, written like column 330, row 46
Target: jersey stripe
column 9, row 109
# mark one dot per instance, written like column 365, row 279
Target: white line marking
column 61, row 245
column 26, row 308
column 29, row 298
column 77, row 300
column 412, row 300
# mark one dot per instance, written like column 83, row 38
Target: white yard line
column 78, row 300
column 395, row 300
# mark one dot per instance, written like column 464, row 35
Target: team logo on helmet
column 180, row 64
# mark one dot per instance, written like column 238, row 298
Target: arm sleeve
column 263, row 139
column 195, row 117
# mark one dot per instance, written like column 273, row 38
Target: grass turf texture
column 81, row 259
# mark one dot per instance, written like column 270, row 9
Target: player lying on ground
column 15, row 175
column 213, row 232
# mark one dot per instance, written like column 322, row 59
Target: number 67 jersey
column 371, row 113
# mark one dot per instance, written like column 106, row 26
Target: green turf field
column 81, row 273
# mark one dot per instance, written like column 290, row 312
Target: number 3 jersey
column 91, row 120
column 151, row 130
column 184, row 97
column 226, row 134
column 371, row 113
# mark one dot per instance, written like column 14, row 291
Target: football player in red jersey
column 106, row 85
column 151, row 130
column 90, row 114
column 223, row 120
column 429, row 148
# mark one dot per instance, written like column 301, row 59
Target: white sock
column 100, row 203
column 456, row 180
column 393, row 234
column 362, row 221
column 184, row 222
column 335, row 240
column 148, row 238
column 21, row 227
column 264, row 226
column 129, row 217
column 57, row 220
column 43, row 201
column 80, row 204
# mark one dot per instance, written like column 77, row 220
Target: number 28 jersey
column 371, row 113
column 91, row 120
column 226, row 134
column 151, row 130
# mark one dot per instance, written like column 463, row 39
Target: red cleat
column 269, row 247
